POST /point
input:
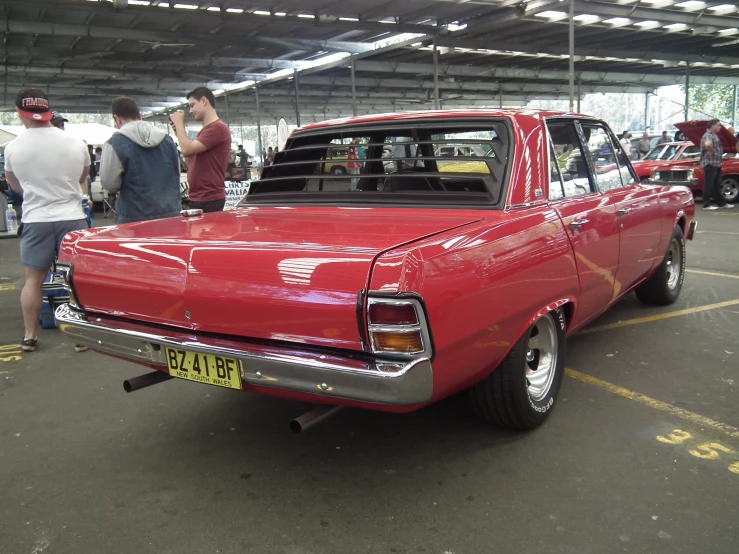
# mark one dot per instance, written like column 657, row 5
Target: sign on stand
column 235, row 191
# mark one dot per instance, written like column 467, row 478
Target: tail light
column 66, row 270
column 398, row 326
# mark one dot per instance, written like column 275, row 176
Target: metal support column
column 228, row 117
column 733, row 108
column 579, row 95
column 500, row 95
column 354, row 88
column 297, row 97
column 646, row 111
column 572, row 55
column 687, row 89
column 437, row 102
column 259, row 127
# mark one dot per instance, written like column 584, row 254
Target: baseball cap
column 33, row 104
column 58, row 119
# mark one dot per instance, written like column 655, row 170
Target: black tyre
column 523, row 389
column 338, row 170
column 664, row 287
column 730, row 188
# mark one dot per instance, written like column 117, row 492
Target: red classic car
column 661, row 154
column 689, row 172
column 396, row 287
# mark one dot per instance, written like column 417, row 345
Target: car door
column 638, row 210
column 589, row 219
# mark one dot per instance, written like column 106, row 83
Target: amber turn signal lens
column 392, row 314
column 402, row 343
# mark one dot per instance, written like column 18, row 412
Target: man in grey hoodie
column 140, row 163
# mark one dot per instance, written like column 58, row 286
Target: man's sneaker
column 727, row 206
column 81, row 348
column 711, row 207
column 29, row 345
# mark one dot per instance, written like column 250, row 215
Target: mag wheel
column 522, row 390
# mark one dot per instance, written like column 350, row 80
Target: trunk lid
column 290, row 274
column 695, row 129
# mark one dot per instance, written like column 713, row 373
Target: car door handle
column 578, row 224
column 624, row 211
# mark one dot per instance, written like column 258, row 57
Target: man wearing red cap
column 50, row 169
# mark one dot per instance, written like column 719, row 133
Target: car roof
column 442, row 114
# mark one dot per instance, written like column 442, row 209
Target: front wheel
column 521, row 392
column 664, row 287
column 338, row 170
column 730, row 189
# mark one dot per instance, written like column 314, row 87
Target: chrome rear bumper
column 340, row 376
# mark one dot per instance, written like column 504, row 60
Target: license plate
column 204, row 368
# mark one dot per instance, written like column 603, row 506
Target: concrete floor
column 639, row 456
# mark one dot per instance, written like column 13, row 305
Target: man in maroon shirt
column 207, row 156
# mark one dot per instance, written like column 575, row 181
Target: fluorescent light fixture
column 280, row 14
column 456, row 26
column 676, row 26
column 587, row 18
column 731, row 31
column 306, row 16
column 139, row 2
column 348, row 19
column 723, row 8
column 234, row 10
column 163, row 4
column 691, row 4
column 185, row 7
column 261, row 12
column 651, row 23
column 552, row 14
column 617, row 21
column 214, row 9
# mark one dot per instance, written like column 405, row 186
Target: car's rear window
column 449, row 162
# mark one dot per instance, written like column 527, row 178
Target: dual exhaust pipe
column 297, row 425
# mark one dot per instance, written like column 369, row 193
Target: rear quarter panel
column 483, row 285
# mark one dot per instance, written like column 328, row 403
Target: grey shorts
column 40, row 242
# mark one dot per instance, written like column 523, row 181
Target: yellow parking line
column 716, row 233
column 692, row 417
column 7, row 286
column 713, row 273
column 657, row 317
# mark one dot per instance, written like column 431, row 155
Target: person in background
column 58, row 120
column 207, row 155
column 711, row 157
column 664, row 139
column 643, row 145
column 53, row 185
column 141, row 164
column 98, row 154
column 270, row 156
column 626, row 143
column 355, row 153
column 242, row 156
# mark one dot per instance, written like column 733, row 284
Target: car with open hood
column 397, row 287
column 690, row 172
column 676, row 152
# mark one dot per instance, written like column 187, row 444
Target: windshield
column 450, row 162
column 663, row 152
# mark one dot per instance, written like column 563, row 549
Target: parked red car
column 690, row 172
column 398, row 289
column 661, row 154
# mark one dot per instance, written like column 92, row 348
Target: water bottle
column 11, row 220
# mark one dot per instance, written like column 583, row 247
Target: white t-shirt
column 48, row 164
column 626, row 143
